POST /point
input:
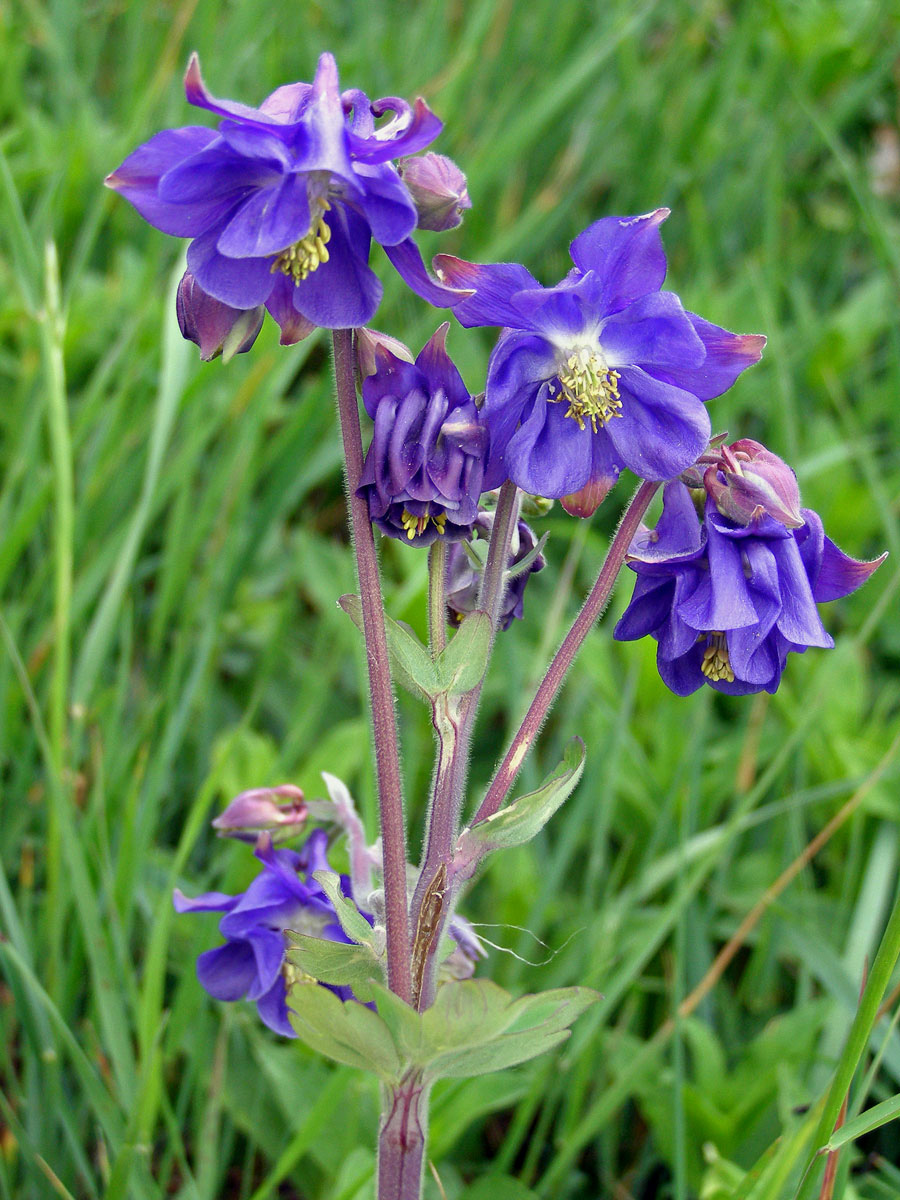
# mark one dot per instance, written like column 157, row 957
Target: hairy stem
column 437, row 591
column 565, row 655
column 384, row 718
column 401, row 1139
column 433, row 901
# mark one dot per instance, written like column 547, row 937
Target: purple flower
column 423, row 472
column 281, row 202
column 259, row 811
column 601, row 372
column 464, row 574
column 728, row 601
column 438, row 189
column 283, row 896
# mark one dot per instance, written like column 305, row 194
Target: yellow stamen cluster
column 310, row 252
column 416, row 526
column 716, row 664
column 590, row 388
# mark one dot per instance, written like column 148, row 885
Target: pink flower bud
column 258, row 810
column 215, row 327
column 438, row 189
column 750, row 482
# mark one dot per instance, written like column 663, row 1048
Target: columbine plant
column 603, row 372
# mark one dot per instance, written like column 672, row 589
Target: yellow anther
column 416, row 526
column 590, row 388
column 716, row 664
column 307, row 255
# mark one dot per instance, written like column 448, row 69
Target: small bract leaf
column 526, row 816
column 334, row 962
column 347, row 1032
column 353, row 923
column 461, row 666
column 412, row 664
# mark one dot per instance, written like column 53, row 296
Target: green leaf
column 475, row 1027
column 353, row 923
column 411, row 663
column 461, row 666
column 347, row 1032
column 334, row 962
column 872, row 1118
column 526, row 816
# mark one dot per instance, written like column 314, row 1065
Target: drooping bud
column 438, row 189
column 750, row 482
column 586, row 501
column 215, row 327
column 367, row 344
column 257, row 811
column 465, row 568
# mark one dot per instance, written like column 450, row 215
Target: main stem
column 565, row 655
column 384, row 718
column 401, row 1139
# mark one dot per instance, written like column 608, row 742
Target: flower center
column 590, row 388
column 311, row 251
column 416, row 526
column 716, row 664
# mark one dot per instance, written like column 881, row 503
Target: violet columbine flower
column 281, row 202
column 601, row 372
column 465, row 569
column 423, row 472
column 438, row 189
column 727, row 601
column 283, row 896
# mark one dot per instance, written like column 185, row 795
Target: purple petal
column 832, row 573
column 677, row 533
column 661, row 430
column 519, row 364
column 294, row 327
column 240, row 282
column 627, row 253
column 326, row 147
column 271, row 219
column 287, row 103
column 799, row 620
column 648, row 609
column 215, row 175
column 654, row 331
column 493, row 284
column 569, row 310
column 208, row 902
column 681, row 675
column 268, row 954
column 719, row 599
column 137, row 179
column 548, row 454
column 249, row 141
column 342, row 293
column 394, row 377
column 386, row 204
column 408, row 263
column 273, row 1010
column 727, row 355
column 228, row 971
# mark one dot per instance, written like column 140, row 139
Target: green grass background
column 173, row 543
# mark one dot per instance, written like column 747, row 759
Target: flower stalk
column 384, row 718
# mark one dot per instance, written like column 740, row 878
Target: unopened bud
column 215, row 327
column 368, row 342
column 258, row 810
column 438, row 189
column 586, row 501
column 750, row 482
